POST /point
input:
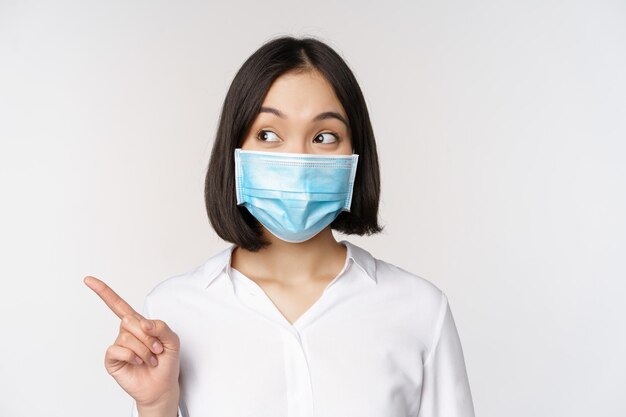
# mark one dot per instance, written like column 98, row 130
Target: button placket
column 297, row 374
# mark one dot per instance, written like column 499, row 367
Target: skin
column 294, row 275
column 154, row 386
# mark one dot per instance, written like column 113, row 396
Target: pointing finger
column 110, row 297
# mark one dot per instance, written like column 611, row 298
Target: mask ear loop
column 348, row 204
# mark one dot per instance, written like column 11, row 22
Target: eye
column 265, row 136
column 333, row 136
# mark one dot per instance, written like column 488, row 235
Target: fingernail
column 153, row 361
column 157, row 347
column 138, row 360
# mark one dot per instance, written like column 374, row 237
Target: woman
column 287, row 321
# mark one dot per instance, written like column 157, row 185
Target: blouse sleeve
column 145, row 311
column 445, row 386
column 135, row 413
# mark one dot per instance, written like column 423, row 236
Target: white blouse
column 379, row 342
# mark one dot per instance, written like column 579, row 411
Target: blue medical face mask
column 294, row 195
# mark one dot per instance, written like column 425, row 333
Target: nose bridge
column 298, row 141
column 299, row 145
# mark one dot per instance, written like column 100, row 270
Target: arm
column 165, row 411
column 445, row 386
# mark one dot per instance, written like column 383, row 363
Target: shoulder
column 394, row 281
column 411, row 288
column 411, row 302
column 193, row 279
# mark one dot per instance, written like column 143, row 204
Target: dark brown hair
column 242, row 105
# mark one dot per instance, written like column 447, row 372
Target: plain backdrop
column 501, row 132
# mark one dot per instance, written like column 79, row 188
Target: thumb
column 160, row 330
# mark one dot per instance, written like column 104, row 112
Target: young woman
column 286, row 321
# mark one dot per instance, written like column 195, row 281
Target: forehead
column 307, row 91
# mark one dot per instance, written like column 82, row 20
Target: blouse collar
column 221, row 261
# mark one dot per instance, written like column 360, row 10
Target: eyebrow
column 321, row 116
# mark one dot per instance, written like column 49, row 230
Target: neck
column 320, row 257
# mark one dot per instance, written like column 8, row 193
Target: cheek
column 346, row 147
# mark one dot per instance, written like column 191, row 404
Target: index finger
column 110, row 297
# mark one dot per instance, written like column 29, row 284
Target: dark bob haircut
column 242, row 105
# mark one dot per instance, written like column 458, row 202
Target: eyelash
column 335, row 134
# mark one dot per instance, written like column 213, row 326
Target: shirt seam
column 440, row 319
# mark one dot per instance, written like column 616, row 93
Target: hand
column 139, row 342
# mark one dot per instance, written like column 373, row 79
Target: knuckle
column 125, row 337
column 121, row 333
column 160, row 325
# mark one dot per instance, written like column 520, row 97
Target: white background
column 500, row 128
